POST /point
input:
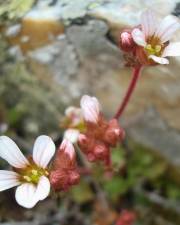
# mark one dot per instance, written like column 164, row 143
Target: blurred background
column 54, row 51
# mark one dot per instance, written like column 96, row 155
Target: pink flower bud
column 64, row 171
column 68, row 148
column 126, row 41
column 100, row 150
column 83, row 140
column 114, row 133
column 90, row 108
column 100, row 135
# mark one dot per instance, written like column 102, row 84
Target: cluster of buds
column 100, row 135
column 64, row 172
column 148, row 43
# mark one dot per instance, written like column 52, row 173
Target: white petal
column 90, row 108
column 68, row 148
column 26, row 195
column 159, row 60
column 148, row 22
column 173, row 49
column 167, row 28
column 71, row 110
column 138, row 37
column 74, row 114
column 11, row 153
column 71, row 135
column 43, row 151
column 43, row 188
column 8, row 179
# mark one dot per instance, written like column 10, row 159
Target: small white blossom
column 31, row 176
column 154, row 37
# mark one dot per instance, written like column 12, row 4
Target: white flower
column 90, row 108
column 154, row 37
column 71, row 135
column 31, row 176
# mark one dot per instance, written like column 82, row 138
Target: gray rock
column 90, row 41
column 152, row 132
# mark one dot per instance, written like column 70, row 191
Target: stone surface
column 151, row 131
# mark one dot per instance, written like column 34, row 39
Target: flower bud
column 59, row 180
column 64, row 171
column 126, row 41
column 83, row 140
column 99, row 150
column 90, row 108
column 114, row 133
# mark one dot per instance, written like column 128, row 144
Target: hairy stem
column 132, row 85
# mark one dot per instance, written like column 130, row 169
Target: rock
column 153, row 133
column 32, row 108
column 127, row 13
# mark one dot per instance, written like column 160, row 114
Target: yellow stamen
column 34, row 172
column 158, row 48
column 153, row 50
column 28, row 179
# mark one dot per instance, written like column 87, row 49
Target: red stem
column 132, row 85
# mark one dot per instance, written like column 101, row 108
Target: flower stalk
column 130, row 90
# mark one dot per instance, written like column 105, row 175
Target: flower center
column 33, row 175
column 153, row 50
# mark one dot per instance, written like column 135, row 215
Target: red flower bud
column 100, row 135
column 114, row 133
column 126, row 41
column 100, row 151
column 64, row 172
column 83, row 140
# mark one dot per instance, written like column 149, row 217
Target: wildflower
column 73, row 122
column 152, row 39
column 30, row 175
column 100, row 135
column 64, row 172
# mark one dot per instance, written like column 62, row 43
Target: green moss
column 142, row 167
